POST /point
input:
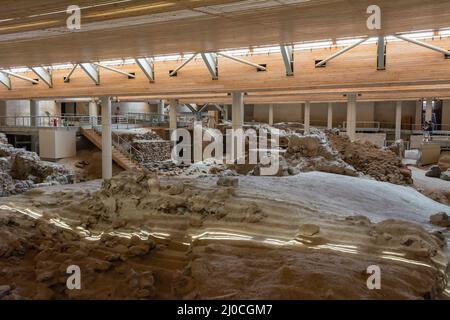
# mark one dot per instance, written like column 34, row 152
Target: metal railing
column 58, row 121
column 129, row 120
column 148, row 118
column 364, row 125
column 124, row 146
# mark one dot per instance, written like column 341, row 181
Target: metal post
column 398, row 121
column 106, row 138
column 351, row 117
column 307, row 117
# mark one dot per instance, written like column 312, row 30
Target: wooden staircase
column 118, row 156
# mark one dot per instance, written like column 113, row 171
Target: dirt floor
column 302, row 237
column 87, row 165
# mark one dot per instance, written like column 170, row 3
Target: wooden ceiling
column 412, row 72
column 33, row 32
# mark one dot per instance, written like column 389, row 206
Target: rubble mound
column 440, row 219
column 378, row 163
column 434, row 172
column 313, row 153
column 21, row 170
column 130, row 192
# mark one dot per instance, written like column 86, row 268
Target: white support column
column 429, row 110
column 173, row 115
column 351, row 117
column 161, row 106
column 93, row 112
column 225, row 112
column 34, row 113
column 418, row 116
column 307, row 117
column 330, row 116
column 398, row 121
column 237, row 110
column 106, row 138
column 271, row 114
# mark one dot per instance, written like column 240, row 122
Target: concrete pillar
column 34, row 122
column 237, row 110
column 330, row 116
column 398, row 121
column 418, row 117
column 106, row 138
column 271, row 114
column 429, row 110
column 34, row 113
column 161, row 112
column 307, row 117
column 173, row 115
column 93, row 112
column 351, row 117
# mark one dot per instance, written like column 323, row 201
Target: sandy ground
column 92, row 170
column 434, row 188
column 268, row 238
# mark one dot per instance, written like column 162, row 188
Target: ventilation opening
column 262, row 65
column 321, row 66
column 131, row 75
column 35, row 83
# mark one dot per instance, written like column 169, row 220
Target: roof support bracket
column 210, row 60
column 341, row 52
column 257, row 66
column 129, row 75
column 67, row 78
column 173, row 73
column 287, row 53
column 92, row 71
column 191, row 107
column 147, row 67
column 446, row 53
column 33, row 81
column 44, row 74
column 203, row 107
column 5, row 80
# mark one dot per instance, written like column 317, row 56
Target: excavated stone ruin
column 21, row 170
column 378, row 163
column 151, row 148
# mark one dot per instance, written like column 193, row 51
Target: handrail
column 124, row 146
column 74, row 120
column 364, row 125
